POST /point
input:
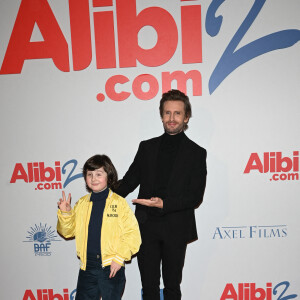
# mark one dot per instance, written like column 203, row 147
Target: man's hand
column 114, row 268
column 153, row 202
column 63, row 204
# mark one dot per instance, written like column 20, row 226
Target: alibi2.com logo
column 280, row 168
column 42, row 237
column 49, row 294
column 46, row 177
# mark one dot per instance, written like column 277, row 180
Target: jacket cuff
column 64, row 213
column 164, row 209
column 119, row 260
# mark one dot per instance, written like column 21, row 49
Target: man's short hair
column 98, row 161
column 176, row 95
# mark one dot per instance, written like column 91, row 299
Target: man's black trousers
column 160, row 246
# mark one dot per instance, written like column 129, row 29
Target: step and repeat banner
column 81, row 77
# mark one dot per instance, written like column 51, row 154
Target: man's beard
column 174, row 131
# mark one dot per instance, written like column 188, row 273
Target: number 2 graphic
column 286, row 285
column 70, row 178
column 232, row 58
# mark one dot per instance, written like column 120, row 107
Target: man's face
column 174, row 116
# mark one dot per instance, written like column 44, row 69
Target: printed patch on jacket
column 114, row 210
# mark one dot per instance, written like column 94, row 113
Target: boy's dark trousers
column 160, row 248
column 95, row 282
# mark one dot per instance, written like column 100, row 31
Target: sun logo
column 41, row 236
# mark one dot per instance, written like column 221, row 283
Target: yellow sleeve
column 66, row 223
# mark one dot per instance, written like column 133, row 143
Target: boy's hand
column 63, row 204
column 114, row 268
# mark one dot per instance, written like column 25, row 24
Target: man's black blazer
column 185, row 188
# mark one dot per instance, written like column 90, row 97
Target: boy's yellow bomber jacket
column 120, row 234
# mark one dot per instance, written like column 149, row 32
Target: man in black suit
column 171, row 172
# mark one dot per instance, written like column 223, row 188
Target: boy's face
column 96, row 180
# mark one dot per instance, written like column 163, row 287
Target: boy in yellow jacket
column 105, row 229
